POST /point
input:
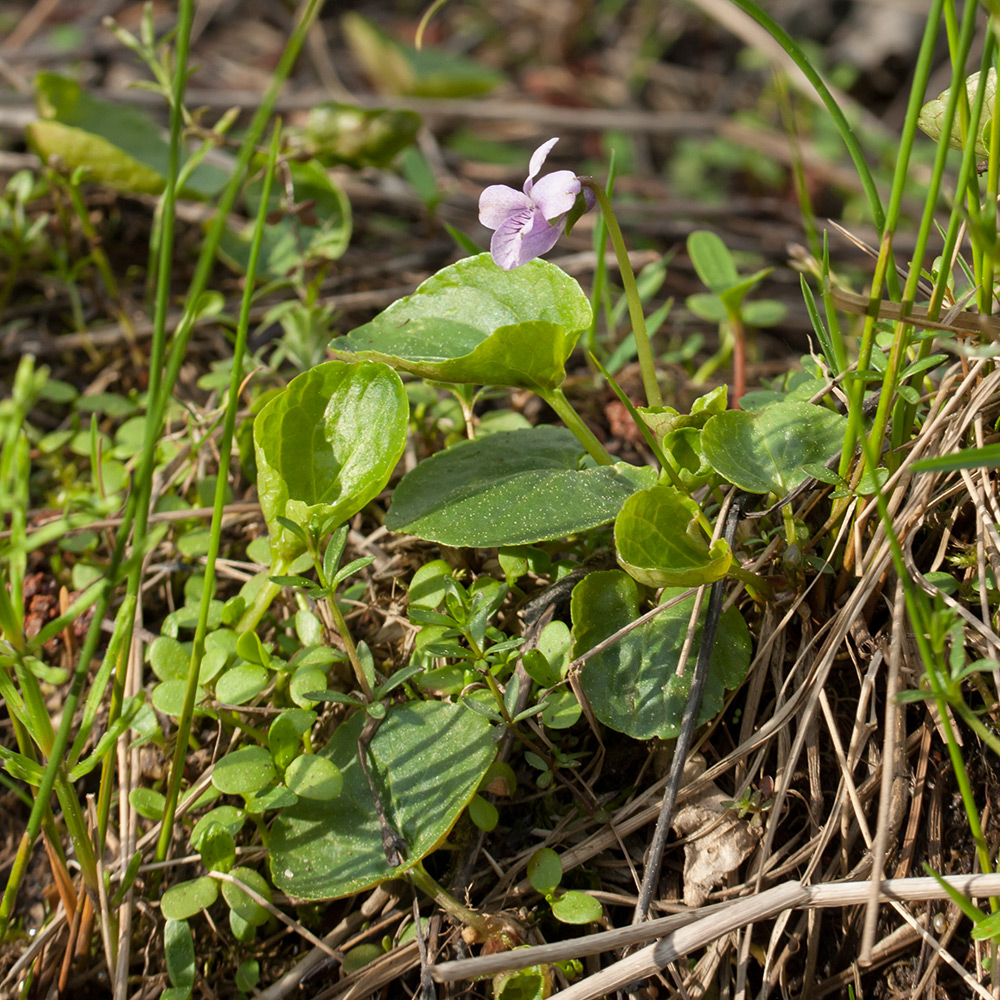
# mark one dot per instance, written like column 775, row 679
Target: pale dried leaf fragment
column 719, row 841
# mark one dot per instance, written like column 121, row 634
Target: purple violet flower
column 528, row 223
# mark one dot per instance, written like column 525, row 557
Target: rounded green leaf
column 767, row 451
column 247, row 974
column 217, row 848
column 284, row 737
column 426, row 761
column 186, row 898
column 240, row 903
column 544, row 870
column 168, row 697
column 178, row 953
column 147, row 802
column 327, row 444
column 169, row 658
column 633, row 686
column 244, row 771
column 659, row 541
column 241, row 683
column 229, row 817
column 475, row 323
column 560, row 710
column 511, row 488
column 243, row 932
column 576, row 908
column 483, row 813
column 306, row 680
column 313, row 777
column 362, row 955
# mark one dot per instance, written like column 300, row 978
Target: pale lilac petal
column 498, row 202
column 537, row 159
column 521, row 239
column 555, row 193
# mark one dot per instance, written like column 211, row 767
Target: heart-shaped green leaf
column 659, row 541
column 327, row 445
column 766, row 451
column 426, row 761
column 119, row 146
column 633, row 686
column 475, row 323
column 511, row 488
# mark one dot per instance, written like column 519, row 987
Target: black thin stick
column 654, row 862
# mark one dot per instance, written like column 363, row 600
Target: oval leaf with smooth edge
column 633, row 685
column 313, row 777
column 327, row 445
column 239, row 902
column 186, row 898
column 512, row 488
column 244, row 771
column 426, row 760
column 475, row 323
column 659, row 541
column 766, row 451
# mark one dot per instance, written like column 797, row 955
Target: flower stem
column 642, row 345
column 573, row 420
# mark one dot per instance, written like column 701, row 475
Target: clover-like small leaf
column 576, row 908
column 243, row 771
column 186, row 898
column 313, row 777
column 240, row 903
column 178, row 954
column 545, row 870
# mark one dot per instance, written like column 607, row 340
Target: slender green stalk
column 599, row 287
column 901, row 340
column 215, row 537
column 448, row 903
column 564, row 409
column 905, row 413
column 642, row 345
